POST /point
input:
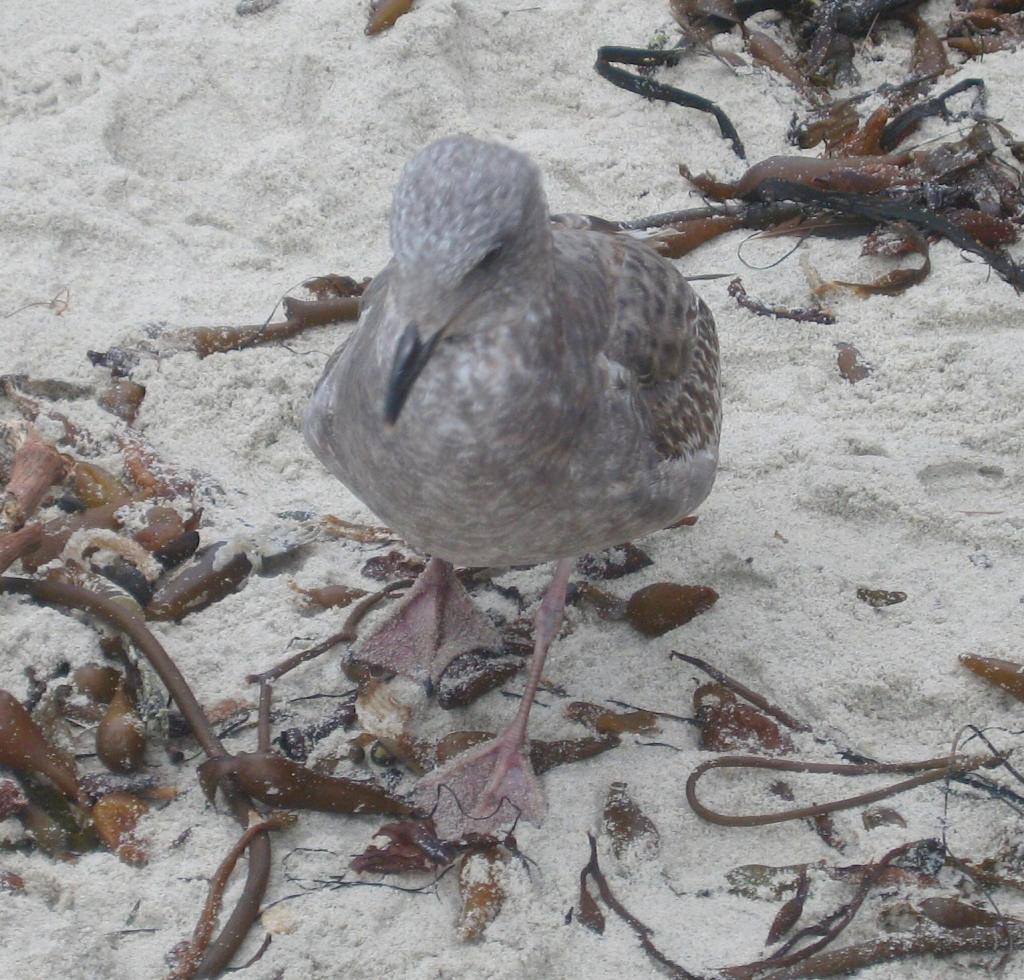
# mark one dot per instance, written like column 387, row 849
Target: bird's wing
column 663, row 336
column 321, row 415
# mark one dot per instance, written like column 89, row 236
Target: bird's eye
column 490, row 258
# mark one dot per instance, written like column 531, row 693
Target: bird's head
column 469, row 225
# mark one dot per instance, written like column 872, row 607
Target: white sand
column 176, row 164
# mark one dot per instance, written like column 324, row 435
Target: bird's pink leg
column 432, row 624
column 492, row 784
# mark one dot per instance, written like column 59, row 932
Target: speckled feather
column 573, row 402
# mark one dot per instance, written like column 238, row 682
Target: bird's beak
column 411, row 357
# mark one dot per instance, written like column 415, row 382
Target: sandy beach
column 172, row 166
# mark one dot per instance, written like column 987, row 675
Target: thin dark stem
column 930, row 770
column 647, row 87
column 742, row 690
column 345, row 635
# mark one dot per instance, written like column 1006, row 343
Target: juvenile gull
column 515, row 392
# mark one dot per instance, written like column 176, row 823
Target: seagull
column 517, row 391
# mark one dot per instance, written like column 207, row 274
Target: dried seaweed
column 738, row 293
column 830, row 926
column 742, row 690
column 234, row 931
column 893, row 209
column 851, row 364
column 384, row 13
column 1003, row 673
column 281, row 782
column 850, row 959
column 627, row 826
column 25, row 749
column 726, row 724
column 790, row 913
column 904, row 123
column 662, row 606
column 879, row 598
column 191, row 958
column 17, row 543
column 593, row 918
column 345, row 635
column 609, row 56
column 37, row 466
column 929, row 771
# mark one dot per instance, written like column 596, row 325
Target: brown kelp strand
column 797, row 949
column 280, row 782
column 928, row 771
column 1003, row 673
column 865, row 141
column 607, row 59
column 151, row 476
column 24, row 748
column 829, row 124
column 320, row 312
column 865, row 175
column 589, row 912
column 384, row 13
column 122, row 398
column 899, row 280
column 205, row 341
column 14, row 544
column 771, row 54
column 928, row 58
column 346, row 634
column 234, row 931
column 195, row 957
column 985, row 229
column 211, row 576
column 906, row 122
column 37, row 466
column 676, row 240
column 604, row 721
column 121, row 735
